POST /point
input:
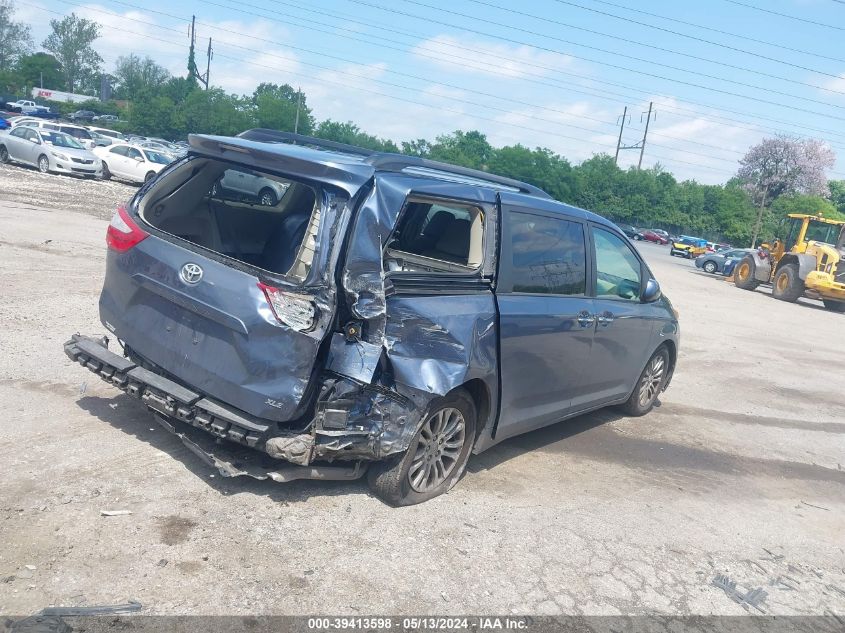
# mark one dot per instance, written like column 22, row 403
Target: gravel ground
column 738, row 472
column 28, row 186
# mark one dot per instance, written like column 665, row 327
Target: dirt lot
column 738, row 472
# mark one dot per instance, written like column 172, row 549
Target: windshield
column 156, row 157
column 76, row 132
column 822, row 232
column 57, row 139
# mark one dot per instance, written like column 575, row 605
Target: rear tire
column 415, row 475
column 267, row 197
column 649, row 384
column 106, row 172
column 43, row 164
column 4, row 154
column 787, row 285
column 710, row 267
column 744, row 274
column 834, row 306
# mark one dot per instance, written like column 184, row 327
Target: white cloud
column 837, row 84
column 488, row 58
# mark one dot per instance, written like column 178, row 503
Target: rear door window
column 548, row 255
column 437, row 236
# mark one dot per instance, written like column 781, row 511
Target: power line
column 355, row 35
column 395, row 85
column 381, row 94
column 619, row 67
column 779, row 45
column 591, row 131
column 669, row 50
column 692, row 37
column 786, row 15
column 447, row 85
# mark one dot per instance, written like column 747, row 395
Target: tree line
column 778, row 176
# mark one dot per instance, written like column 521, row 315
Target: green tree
column 133, row 75
column 276, row 108
column 469, row 149
column 351, row 134
column 33, row 68
column 15, row 37
column 71, row 44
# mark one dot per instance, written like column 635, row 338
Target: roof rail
column 401, row 162
column 264, row 135
column 392, row 162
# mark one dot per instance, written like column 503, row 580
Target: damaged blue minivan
column 378, row 313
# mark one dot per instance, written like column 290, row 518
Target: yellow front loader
column 809, row 260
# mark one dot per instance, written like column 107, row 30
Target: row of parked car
column 89, row 151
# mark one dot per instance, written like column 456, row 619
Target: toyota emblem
column 191, row 273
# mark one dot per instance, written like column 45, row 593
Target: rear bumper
column 200, row 422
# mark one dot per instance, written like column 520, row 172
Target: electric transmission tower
column 640, row 145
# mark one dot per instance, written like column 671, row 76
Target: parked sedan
column 652, row 236
column 49, row 151
column 715, row 262
column 630, row 231
column 128, row 162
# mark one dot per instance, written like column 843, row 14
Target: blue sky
column 552, row 73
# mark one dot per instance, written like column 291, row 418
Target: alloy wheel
column 438, row 449
column 652, row 379
column 43, row 164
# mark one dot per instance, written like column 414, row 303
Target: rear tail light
column 123, row 233
column 296, row 311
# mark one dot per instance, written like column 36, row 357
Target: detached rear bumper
column 173, row 403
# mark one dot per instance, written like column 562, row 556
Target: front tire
column 834, row 306
column 106, row 172
column 744, row 274
column 150, row 175
column 710, row 267
column 4, row 154
column 649, row 385
column 436, row 457
column 43, row 164
column 787, row 285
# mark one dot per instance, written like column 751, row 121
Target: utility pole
column 619, row 142
column 192, row 64
column 298, row 106
column 645, row 134
column 208, row 65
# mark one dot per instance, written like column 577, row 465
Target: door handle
column 585, row 319
column 605, row 319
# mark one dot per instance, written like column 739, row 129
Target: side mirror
column 652, row 291
column 140, row 159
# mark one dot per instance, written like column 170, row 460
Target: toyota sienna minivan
column 386, row 314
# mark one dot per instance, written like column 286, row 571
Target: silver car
column 49, row 151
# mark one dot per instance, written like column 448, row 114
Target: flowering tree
column 784, row 165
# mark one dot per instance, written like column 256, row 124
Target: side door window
column 618, row 271
column 547, row 255
column 437, row 236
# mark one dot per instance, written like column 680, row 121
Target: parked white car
column 49, row 151
column 245, row 183
column 128, row 162
column 107, row 132
column 78, row 132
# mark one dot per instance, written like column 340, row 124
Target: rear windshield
column 261, row 219
column 76, row 132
